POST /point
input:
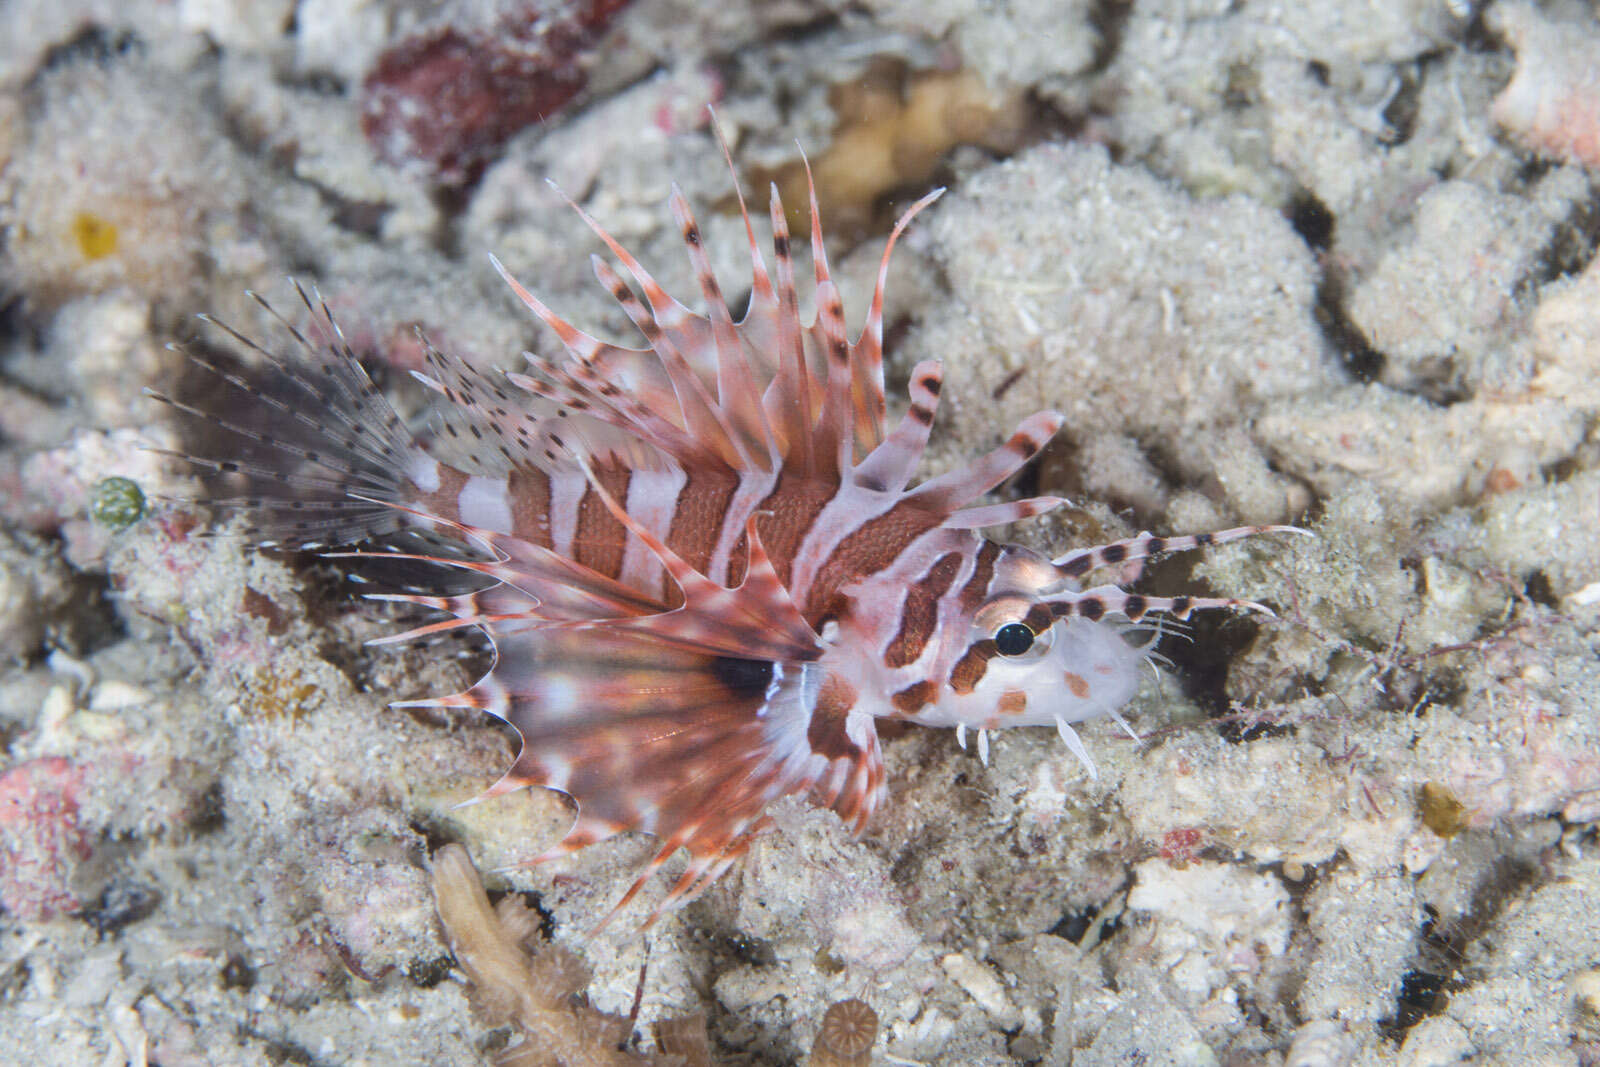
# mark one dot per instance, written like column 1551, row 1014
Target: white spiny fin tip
column 1075, row 745
column 983, row 747
column 571, row 203
column 499, row 789
column 961, row 735
column 1126, row 728
column 438, row 603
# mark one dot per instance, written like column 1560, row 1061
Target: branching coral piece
column 538, row 991
column 686, row 1037
column 895, row 128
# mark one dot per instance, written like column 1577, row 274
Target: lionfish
column 709, row 572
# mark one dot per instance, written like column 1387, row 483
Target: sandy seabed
column 1332, row 266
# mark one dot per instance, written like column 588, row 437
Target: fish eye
column 1013, row 639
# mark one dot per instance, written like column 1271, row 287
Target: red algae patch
column 445, row 99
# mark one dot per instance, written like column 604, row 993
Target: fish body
column 708, row 573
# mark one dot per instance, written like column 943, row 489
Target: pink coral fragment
column 1552, row 104
column 41, row 841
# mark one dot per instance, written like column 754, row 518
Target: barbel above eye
column 1013, row 639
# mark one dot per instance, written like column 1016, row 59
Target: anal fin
column 688, row 745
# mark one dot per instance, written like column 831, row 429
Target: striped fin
column 699, row 412
column 1095, row 604
column 497, row 423
column 867, row 357
column 685, row 723
column 1001, row 514
column 581, row 390
column 737, row 391
column 484, row 608
column 311, row 455
column 964, row 484
column 834, row 431
column 793, row 393
column 484, row 427
column 1077, row 564
column 598, row 375
column 765, row 392
column 689, row 746
column 891, row 465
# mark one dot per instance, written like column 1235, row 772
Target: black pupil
column 1013, row 639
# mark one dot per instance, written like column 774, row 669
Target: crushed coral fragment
column 1552, row 103
column 521, row 980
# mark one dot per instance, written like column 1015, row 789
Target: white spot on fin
column 424, row 472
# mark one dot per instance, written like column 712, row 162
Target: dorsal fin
column 769, row 390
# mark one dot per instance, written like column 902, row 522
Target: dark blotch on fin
column 745, row 678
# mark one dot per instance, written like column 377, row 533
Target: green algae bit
column 116, row 502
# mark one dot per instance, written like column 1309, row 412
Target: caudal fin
column 306, row 449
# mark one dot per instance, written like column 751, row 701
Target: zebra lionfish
column 709, row 571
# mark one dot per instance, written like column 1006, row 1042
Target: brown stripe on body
column 871, row 549
column 976, row 591
column 445, row 501
column 599, row 539
column 969, row 669
column 527, row 492
column 919, row 616
column 786, row 516
column 967, row 672
column 698, row 517
column 528, row 489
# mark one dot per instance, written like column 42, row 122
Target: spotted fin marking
column 314, row 455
